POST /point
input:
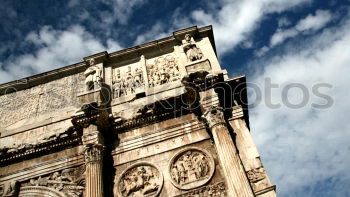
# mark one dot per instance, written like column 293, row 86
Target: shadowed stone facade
column 159, row 119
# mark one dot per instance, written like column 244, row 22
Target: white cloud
column 55, row 49
column 233, row 21
column 156, row 32
column 122, row 10
column 306, row 147
column 237, row 19
column 314, row 22
column 283, row 21
column 309, row 23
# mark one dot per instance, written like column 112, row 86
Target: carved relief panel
column 68, row 182
column 257, row 178
column 127, row 80
column 141, row 179
column 191, row 168
column 162, row 70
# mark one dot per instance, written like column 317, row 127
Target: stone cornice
column 31, row 151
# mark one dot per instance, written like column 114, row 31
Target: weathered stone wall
column 22, row 107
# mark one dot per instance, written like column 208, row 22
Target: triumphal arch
column 159, row 119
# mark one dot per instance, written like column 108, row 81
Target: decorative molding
column 158, row 136
column 256, row 174
column 40, row 191
column 28, row 151
column 140, row 179
column 215, row 190
column 191, row 168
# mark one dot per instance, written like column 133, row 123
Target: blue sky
column 305, row 150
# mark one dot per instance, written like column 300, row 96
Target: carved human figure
column 118, row 85
column 191, row 166
column 175, row 174
column 129, row 82
column 139, row 181
column 190, row 47
column 138, row 80
column 11, row 189
column 93, row 75
column 172, row 68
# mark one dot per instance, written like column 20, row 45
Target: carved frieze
column 46, row 145
column 162, row 70
column 127, row 82
column 216, row 190
column 257, row 178
column 193, row 52
column 256, row 174
column 141, row 179
column 191, row 168
column 68, row 182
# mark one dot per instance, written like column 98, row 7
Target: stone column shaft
column 250, row 156
column 237, row 181
column 93, row 152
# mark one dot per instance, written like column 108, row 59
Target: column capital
column 93, row 153
column 214, row 116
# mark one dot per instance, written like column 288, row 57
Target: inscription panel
column 39, row 100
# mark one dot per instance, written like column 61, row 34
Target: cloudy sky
column 297, row 52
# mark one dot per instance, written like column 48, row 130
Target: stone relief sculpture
column 11, row 189
column 193, row 52
column 257, row 178
column 163, row 70
column 191, row 168
column 71, row 182
column 142, row 179
column 127, row 83
column 216, row 190
column 93, row 76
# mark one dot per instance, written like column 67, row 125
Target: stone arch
column 39, row 191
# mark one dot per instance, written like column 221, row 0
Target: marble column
column 93, row 152
column 249, row 155
column 236, row 178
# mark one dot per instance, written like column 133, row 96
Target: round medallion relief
column 140, row 180
column 191, row 168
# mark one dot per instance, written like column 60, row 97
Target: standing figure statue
column 190, row 47
column 138, row 80
column 129, row 82
column 93, row 76
column 118, row 85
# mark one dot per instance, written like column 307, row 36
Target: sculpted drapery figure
column 93, row 75
column 164, row 70
column 191, row 49
column 128, row 82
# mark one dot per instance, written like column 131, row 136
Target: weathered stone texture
column 18, row 108
column 152, row 120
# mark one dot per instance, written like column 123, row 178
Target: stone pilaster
column 93, row 153
column 249, row 155
column 236, row 178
